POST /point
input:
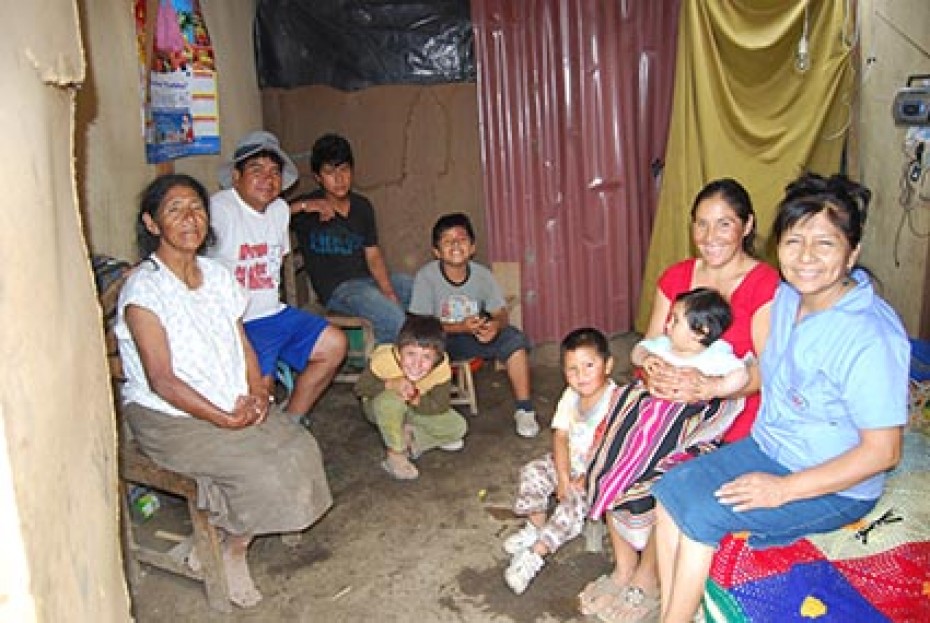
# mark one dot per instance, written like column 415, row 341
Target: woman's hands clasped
column 248, row 411
column 669, row 382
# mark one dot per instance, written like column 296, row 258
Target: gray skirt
column 255, row 480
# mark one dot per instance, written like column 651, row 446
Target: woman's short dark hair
column 707, row 313
column 151, row 199
column 330, row 149
column 735, row 196
column 422, row 331
column 447, row 222
column 843, row 201
column 585, row 337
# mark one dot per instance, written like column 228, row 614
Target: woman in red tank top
column 723, row 226
column 723, row 230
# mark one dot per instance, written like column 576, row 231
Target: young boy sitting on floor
column 405, row 392
column 466, row 298
column 586, row 364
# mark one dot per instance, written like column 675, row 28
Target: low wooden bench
column 136, row 468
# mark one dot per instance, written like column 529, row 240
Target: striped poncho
column 642, row 438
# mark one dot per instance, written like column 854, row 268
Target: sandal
column 410, row 439
column 595, row 592
column 632, row 605
column 400, row 468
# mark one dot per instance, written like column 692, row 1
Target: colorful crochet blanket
column 876, row 570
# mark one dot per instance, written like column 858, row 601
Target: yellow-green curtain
column 742, row 109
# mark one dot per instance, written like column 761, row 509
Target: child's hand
column 653, row 364
column 473, row 324
column 487, row 329
column 404, row 388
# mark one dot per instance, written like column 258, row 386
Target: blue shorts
column 687, row 494
column 289, row 335
column 466, row 346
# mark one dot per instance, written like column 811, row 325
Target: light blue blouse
column 828, row 376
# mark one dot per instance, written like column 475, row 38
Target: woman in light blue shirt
column 834, row 401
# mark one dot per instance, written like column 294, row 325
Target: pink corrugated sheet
column 574, row 102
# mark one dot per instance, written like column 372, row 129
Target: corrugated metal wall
column 574, row 102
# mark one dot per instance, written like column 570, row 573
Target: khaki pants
column 390, row 413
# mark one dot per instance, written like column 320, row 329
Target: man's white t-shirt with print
column 252, row 245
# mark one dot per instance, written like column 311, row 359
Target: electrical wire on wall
column 914, row 187
column 850, row 38
column 868, row 60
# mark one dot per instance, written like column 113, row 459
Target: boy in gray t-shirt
column 466, row 298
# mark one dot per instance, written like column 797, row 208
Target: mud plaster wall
column 416, row 155
column 895, row 44
column 71, row 178
column 58, row 513
column 111, row 156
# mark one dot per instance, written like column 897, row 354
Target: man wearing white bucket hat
column 251, row 225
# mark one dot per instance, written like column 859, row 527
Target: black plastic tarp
column 353, row 44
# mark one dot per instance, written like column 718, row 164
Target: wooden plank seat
column 137, row 468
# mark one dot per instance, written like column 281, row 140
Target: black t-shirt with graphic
column 334, row 251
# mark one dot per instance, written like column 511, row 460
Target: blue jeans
column 466, row 346
column 361, row 297
column 687, row 493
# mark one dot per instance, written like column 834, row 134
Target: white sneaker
column 453, row 446
column 523, row 568
column 526, row 423
column 523, row 539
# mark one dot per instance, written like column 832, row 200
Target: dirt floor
column 427, row 550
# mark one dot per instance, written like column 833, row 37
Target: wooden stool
column 137, row 468
column 357, row 353
column 463, row 386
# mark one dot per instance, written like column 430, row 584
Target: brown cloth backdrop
column 741, row 109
